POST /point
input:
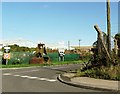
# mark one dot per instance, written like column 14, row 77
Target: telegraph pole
column 68, row 45
column 79, row 43
column 108, row 28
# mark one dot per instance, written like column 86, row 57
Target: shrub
column 111, row 73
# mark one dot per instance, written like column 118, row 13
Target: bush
column 36, row 60
column 111, row 73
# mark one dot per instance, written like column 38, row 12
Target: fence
column 68, row 57
column 19, row 58
column 25, row 57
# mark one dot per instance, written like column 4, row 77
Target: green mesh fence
column 68, row 57
column 53, row 56
column 20, row 57
column 25, row 57
column 72, row 57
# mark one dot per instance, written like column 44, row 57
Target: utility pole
column 79, row 43
column 108, row 28
column 68, row 45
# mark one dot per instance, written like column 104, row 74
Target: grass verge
column 32, row 65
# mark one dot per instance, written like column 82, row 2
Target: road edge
column 62, row 79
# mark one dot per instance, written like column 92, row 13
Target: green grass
column 20, row 65
column 68, row 62
column 32, row 65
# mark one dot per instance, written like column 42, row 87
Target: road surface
column 38, row 79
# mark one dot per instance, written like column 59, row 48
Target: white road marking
column 37, row 78
column 24, row 76
column 16, row 75
column 42, row 79
column 51, row 80
column 30, row 77
column 46, row 79
column 7, row 74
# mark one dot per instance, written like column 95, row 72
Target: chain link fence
column 25, row 57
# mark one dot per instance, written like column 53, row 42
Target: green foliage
column 79, row 73
column 109, row 73
column 17, row 48
column 100, row 68
column 85, row 56
column 117, row 36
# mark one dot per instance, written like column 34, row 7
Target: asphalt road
column 38, row 79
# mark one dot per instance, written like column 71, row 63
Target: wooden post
column 105, row 39
column 99, row 44
column 108, row 27
column 102, row 43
